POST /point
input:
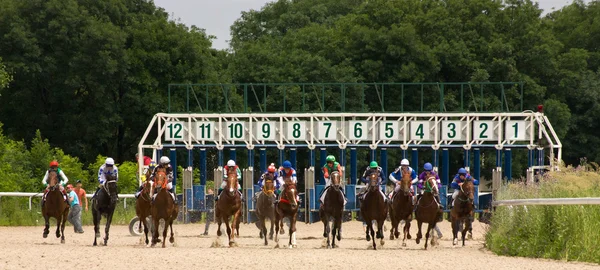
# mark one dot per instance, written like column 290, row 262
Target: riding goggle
column 428, row 172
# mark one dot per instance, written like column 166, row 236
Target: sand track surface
column 24, row 248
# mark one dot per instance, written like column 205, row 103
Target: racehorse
column 287, row 207
column 402, row 209
column 143, row 205
column 373, row 207
column 229, row 204
column 428, row 211
column 56, row 207
column 104, row 205
column 164, row 208
column 333, row 208
column 462, row 212
column 265, row 207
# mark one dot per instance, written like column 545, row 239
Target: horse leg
column 427, row 234
column 455, row 228
column 164, row 233
column 271, row 219
column 155, row 223
column 47, row 226
column 368, row 231
column 326, row 230
column 229, row 231
column 276, row 230
column 407, row 226
column 338, row 222
column 380, row 224
column 235, row 224
column 145, row 229
column 465, row 230
column 96, row 217
column 419, row 234
column 62, row 229
column 107, row 227
column 263, row 229
column 372, row 234
column 58, row 222
column 293, row 231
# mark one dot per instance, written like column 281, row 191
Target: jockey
column 428, row 171
column 286, row 171
column 146, row 163
column 151, row 167
column 458, row 180
column 165, row 163
column 271, row 170
column 330, row 166
column 373, row 167
column 396, row 176
column 62, row 178
column 230, row 164
column 108, row 168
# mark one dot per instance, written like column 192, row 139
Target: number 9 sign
column 265, row 131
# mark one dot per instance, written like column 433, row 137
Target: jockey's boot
column 96, row 192
column 174, row 197
column 218, row 194
column 137, row 194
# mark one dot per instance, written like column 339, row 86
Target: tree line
column 89, row 75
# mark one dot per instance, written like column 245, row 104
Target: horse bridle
column 106, row 188
column 464, row 193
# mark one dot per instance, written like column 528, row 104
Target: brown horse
column 143, row 205
column 402, row 208
column 265, row 207
column 374, row 208
column 229, row 204
column 287, row 207
column 163, row 208
column 56, row 207
column 333, row 208
column 462, row 212
column 428, row 211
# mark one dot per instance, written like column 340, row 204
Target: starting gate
column 315, row 132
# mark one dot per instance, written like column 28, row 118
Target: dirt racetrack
column 24, row 248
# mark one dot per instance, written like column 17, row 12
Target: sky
column 216, row 16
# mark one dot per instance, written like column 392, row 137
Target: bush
column 554, row 232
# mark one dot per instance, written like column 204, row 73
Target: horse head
column 405, row 183
column 111, row 187
column 290, row 191
column 52, row 179
column 232, row 183
column 268, row 187
column 336, row 180
column 468, row 189
column 374, row 181
column 431, row 185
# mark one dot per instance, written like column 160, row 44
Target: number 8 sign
column 296, row 130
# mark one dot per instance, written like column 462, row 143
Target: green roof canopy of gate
column 346, row 97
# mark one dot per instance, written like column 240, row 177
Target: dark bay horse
column 56, row 207
column 229, row 204
column 428, row 211
column 287, row 207
column 163, row 208
column 333, row 208
column 402, row 208
column 104, row 205
column 265, row 207
column 143, row 206
column 462, row 212
column 374, row 208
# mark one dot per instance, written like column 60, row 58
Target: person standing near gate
column 210, row 209
column 75, row 210
column 81, row 194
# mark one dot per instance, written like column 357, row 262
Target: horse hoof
column 368, row 238
column 277, row 246
column 382, row 242
column 470, row 236
column 45, row 235
column 271, row 237
column 324, row 243
column 281, row 231
column 334, row 246
column 455, row 242
column 233, row 244
column 404, row 244
column 391, row 237
column 57, row 235
column 172, row 240
column 62, row 241
column 339, row 237
column 408, row 236
column 418, row 241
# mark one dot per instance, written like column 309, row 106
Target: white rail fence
column 550, row 201
column 40, row 194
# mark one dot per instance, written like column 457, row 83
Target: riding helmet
column 428, row 166
column 462, row 171
column 287, row 164
column 330, row 158
column 404, row 162
column 373, row 164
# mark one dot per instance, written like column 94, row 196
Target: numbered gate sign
column 484, row 131
column 174, row 131
column 327, row 130
column 205, row 131
column 358, row 130
column 296, row 130
column 419, row 131
column 515, row 130
column 389, row 131
column 235, row 131
column 452, row 131
column 265, row 131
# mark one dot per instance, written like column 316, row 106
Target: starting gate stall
column 403, row 132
